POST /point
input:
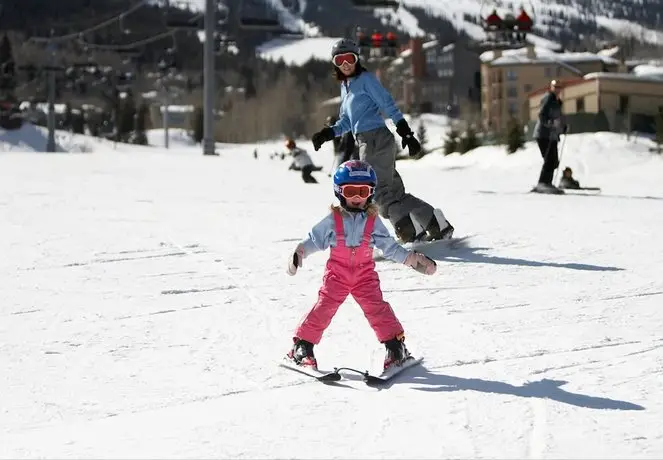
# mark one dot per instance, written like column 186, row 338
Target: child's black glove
column 407, row 138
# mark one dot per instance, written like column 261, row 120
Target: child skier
column 351, row 230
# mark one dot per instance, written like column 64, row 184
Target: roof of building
column 542, row 55
column 601, row 76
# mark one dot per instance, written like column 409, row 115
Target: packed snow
column 146, row 306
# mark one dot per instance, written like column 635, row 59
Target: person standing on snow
column 363, row 99
column 301, row 161
column 547, row 131
column 352, row 230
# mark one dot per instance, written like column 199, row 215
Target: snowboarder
column 363, row 99
column 567, row 181
column 351, row 230
column 301, row 161
column 548, row 128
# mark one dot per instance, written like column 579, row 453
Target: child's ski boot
column 396, row 351
column 302, row 353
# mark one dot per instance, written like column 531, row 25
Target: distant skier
column 351, row 230
column 301, row 161
column 548, row 128
column 363, row 100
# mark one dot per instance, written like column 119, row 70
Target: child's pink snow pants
column 350, row 271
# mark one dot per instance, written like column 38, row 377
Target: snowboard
column 428, row 248
column 368, row 378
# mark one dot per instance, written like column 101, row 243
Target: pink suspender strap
column 368, row 230
column 340, row 232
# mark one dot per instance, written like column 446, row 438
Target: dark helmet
column 344, row 45
column 331, row 119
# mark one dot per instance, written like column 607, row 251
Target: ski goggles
column 340, row 59
column 353, row 190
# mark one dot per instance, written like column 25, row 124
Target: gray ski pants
column 378, row 147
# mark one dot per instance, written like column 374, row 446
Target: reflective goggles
column 352, row 190
column 340, row 59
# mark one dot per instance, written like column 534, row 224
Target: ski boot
column 396, row 351
column 405, row 230
column 302, row 353
column 543, row 187
column 438, row 228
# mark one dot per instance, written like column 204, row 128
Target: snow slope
column 145, row 305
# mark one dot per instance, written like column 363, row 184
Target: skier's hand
column 407, row 137
column 322, row 136
column 295, row 260
column 413, row 145
column 421, row 263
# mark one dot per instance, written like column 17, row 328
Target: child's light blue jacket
column 323, row 235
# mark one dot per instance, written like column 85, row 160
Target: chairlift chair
column 510, row 29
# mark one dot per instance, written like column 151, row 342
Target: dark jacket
column 549, row 125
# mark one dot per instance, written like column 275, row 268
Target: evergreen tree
column 197, row 125
column 469, row 141
column 422, row 136
column 452, row 142
column 515, row 138
column 7, row 69
column 126, row 118
column 140, row 124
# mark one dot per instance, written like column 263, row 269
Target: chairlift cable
column 101, row 25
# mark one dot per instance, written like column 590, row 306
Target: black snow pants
column 548, row 149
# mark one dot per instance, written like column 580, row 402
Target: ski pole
column 559, row 165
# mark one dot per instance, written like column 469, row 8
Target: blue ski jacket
column 364, row 101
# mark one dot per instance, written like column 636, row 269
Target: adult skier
column 363, row 99
column 549, row 126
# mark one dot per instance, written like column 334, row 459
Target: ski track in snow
column 146, row 305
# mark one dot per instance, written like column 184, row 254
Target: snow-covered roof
column 622, row 76
column 648, row 70
column 609, row 52
column 542, row 55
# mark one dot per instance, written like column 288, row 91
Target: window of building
column 512, row 92
column 430, row 58
column 558, row 71
column 547, row 72
column 623, row 104
column 511, row 75
column 528, row 88
column 580, row 104
column 513, row 108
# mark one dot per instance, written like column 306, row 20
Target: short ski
column 582, row 189
column 386, row 375
column 321, row 376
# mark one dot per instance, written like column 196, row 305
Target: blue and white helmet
column 354, row 172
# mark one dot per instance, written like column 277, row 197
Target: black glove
column 407, row 138
column 322, row 136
